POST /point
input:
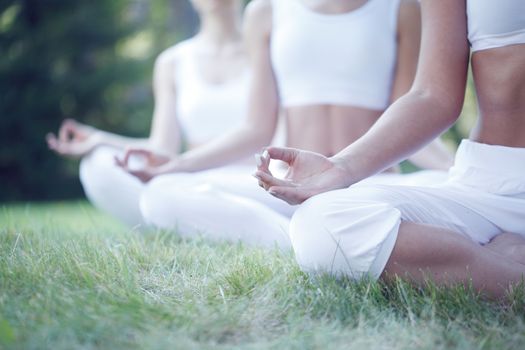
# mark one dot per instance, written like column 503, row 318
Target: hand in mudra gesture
column 308, row 174
column 74, row 139
column 152, row 164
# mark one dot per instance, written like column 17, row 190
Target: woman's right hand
column 74, row 139
column 308, row 174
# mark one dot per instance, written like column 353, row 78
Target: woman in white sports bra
column 201, row 89
column 332, row 73
column 458, row 232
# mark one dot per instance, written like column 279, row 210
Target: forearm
column 229, row 148
column 120, row 142
column 409, row 124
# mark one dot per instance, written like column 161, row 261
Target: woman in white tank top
column 201, row 89
column 469, row 230
column 332, row 74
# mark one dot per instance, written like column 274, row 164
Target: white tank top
column 206, row 110
column 336, row 59
column 495, row 23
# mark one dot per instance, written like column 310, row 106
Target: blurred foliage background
column 89, row 60
column 84, row 59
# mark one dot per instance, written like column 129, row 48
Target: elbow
column 445, row 105
column 263, row 138
column 257, row 137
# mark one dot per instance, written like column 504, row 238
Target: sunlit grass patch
column 71, row 277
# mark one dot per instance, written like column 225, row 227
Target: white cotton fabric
column 346, row 59
column 493, row 24
column 222, row 204
column 352, row 232
column 205, row 110
column 227, row 204
column 109, row 188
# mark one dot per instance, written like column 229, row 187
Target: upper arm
column 408, row 45
column 444, row 55
column 165, row 131
column 264, row 99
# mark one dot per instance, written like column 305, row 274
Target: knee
column 94, row 167
column 166, row 199
column 154, row 202
column 310, row 237
column 86, row 169
column 344, row 233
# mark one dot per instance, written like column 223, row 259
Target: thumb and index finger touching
column 124, row 161
column 64, row 131
column 263, row 174
column 67, row 129
column 287, row 155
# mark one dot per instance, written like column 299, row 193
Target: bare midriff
column 327, row 129
column 499, row 76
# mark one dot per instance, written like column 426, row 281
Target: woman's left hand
column 74, row 139
column 154, row 164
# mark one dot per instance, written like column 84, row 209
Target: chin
column 214, row 6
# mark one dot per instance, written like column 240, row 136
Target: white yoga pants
column 109, row 188
column 224, row 203
column 227, row 203
column 352, row 232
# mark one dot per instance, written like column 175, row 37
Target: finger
column 263, row 161
column 265, row 157
column 66, row 130
column 50, row 136
column 122, row 162
column 270, row 180
column 119, row 162
column 258, row 160
column 141, row 175
column 285, row 154
column 263, row 185
column 55, row 145
column 61, row 149
column 134, row 152
column 139, row 152
column 291, row 195
column 51, row 140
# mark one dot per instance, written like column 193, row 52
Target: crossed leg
column 414, row 232
column 425, row 252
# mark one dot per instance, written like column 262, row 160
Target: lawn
column 72, row 278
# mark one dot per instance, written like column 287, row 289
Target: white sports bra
column 206, row 110
column 337, row 59
column 495, row 23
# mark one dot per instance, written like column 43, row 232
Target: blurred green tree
column 84, row 59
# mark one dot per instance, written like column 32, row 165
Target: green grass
column 72, row 278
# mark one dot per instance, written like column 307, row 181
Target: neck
column 222, row 28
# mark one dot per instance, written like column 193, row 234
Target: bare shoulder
column 258, row 18
column 167, row 59
column 409, row 17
